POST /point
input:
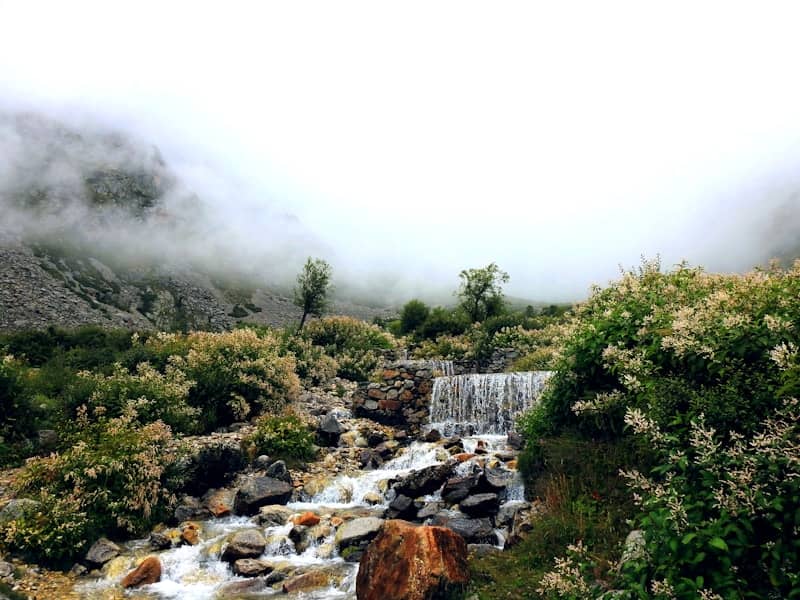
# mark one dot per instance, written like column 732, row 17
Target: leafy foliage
column 111, row 478
column 702, row 368
column 236, row 374
column 354, row 344
column 481, row 292
column 413, row 315
column 313, row 285
column 283, row 436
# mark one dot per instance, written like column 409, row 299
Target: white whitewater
column 484, row 403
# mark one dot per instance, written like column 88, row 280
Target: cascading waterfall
column 445, row 367
column 484, row 403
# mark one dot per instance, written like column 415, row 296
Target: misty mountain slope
column 97, row 230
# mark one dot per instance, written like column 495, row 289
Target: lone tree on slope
column 311, row 291
column 481, row 292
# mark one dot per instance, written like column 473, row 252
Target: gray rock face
column 191, row 509
column 458, row 488
column 352, row 533
column 507, row 513
column 402, row 507
column 424, row 481
column 474, row 531
column 279, row 471
column 256, row 492
column 249, row 543
column 251, row 567
column 273, row 515
column 329, row 431
column 480, row 505
column 160, row 541
column 6, row 569
column 102, row 551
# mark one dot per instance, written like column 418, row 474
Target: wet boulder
column 369, row 459
column 423, row 481
column 411, row 562
column 515, row 441
column 219, row 502
column 256, row 492
column 508, row 512
column 273, row 515
column 433, row 436
column 353, row 536
column 458, row 488
column 251, row 567
column 249, row 543
column 191, row 509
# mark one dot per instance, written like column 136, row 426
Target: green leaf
column 688, row 538
column 718, row 543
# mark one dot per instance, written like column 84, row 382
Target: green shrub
column 86, row 347
column 111, row 479
column 154, row 395
column 442, row 321
column 354, row 344
column 237, row 374
column 700, row 367
column 18, row 412
column 679, row 343
column 312, row 364
column 285, row 436
column 413, row 315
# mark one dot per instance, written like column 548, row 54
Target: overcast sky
column 558, row 139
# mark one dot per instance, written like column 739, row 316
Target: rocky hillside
column 89, row 236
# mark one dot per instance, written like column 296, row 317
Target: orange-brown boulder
column 412, row 562
column 190, row 533
column 463, row 456
column 307, row 519
column 149, row 571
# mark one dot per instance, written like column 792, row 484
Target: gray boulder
column 249, row 543
column 251, row 567
column 424, row 481
column 102, row 551
column 357, row 531
column 256, row 492
column 479, row 505
column 279, row 471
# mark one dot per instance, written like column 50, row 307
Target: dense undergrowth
column 702, row 369
column 117, row 403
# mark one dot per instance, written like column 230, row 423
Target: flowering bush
column 154, row 395
column 705, row 369
column 354, row 344
column 236, row 374
column 112, row 478
column 285, row 436
column 679, row 343
column 313, row 365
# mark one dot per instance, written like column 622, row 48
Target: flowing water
column 485, row 404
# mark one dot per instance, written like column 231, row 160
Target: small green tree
column 413, row 316
column 313, row 285
column 481, row 292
